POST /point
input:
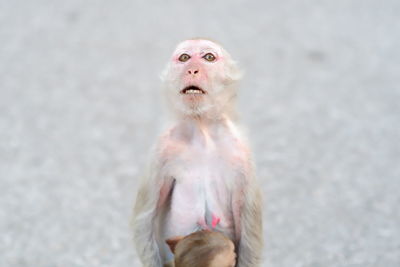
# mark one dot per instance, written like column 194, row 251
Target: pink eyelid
column 201, row 55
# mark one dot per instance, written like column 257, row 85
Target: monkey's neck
column 205, row 120
column 205, row 124
column 203, row 132
column 210, row 116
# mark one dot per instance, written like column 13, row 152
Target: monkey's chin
column 193, row 99
column 194, row 105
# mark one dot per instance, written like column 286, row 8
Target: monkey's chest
column 202, row 194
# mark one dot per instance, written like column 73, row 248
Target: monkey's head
column 203, row 249
column 200, row 79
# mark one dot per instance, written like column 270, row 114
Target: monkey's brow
column 208, row 50
column 201, row 48
column 201, row 52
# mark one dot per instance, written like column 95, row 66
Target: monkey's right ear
column 173, row 241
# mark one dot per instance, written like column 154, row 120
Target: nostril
column 193, row 71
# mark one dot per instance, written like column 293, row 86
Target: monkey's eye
column 209, row 57
column 184, row 57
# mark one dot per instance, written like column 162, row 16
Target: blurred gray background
column 80, row 108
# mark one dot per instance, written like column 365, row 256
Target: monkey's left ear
column 173, row 241
column 233, row 72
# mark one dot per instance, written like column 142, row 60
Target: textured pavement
column 80, row 107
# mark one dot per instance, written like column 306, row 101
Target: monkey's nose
column 194, row 71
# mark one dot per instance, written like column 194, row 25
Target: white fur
column 200, row 164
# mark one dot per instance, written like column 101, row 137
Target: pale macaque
column 202, row 249
column 201, row 175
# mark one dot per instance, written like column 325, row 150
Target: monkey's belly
column 197, row 204
column 205, row 179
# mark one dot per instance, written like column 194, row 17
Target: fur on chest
column 204, row 153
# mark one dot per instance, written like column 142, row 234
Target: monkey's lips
column 192, row 90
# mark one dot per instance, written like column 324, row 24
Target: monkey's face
column 200, row 77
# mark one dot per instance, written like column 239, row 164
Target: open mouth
column 192, row 90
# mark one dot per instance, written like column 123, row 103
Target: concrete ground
column 80, row 108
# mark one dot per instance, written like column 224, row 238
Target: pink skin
column 211, row 168
column 196, row 49
column 215, row 221
column 202, row 160
column 204, row 226
column 197, row 71
column 201, row 173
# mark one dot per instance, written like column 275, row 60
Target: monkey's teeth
column 193, row 91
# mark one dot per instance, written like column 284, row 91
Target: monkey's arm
column 151, row 197
column 248, row 223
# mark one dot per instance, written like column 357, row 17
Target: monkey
column 203, row 248
column 201, row 170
